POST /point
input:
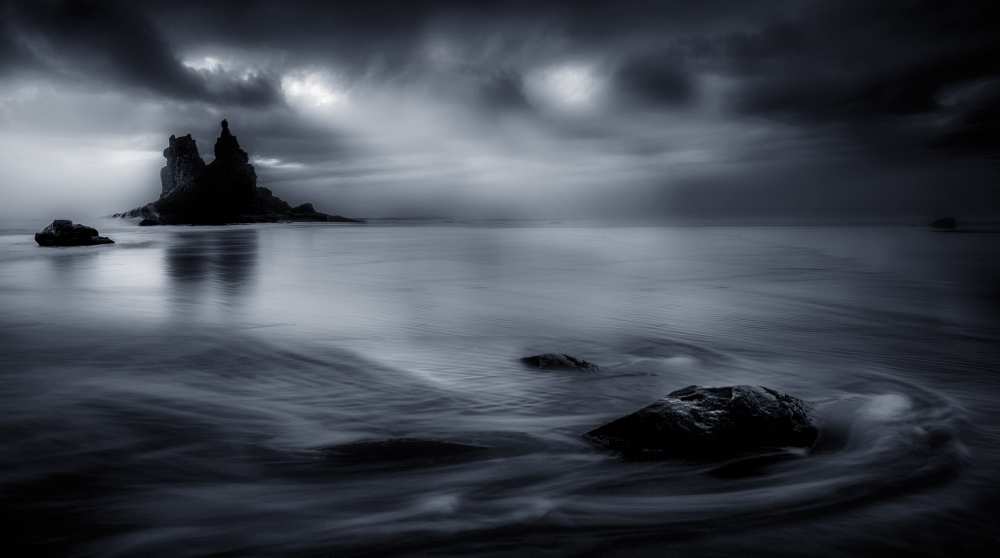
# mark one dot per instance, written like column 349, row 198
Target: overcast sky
column 519, row 109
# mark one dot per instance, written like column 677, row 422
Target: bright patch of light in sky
column 205, row 63
column 276, row 163
column 133, row 156
column 312, row 89
column 221, row 67
column 572, row 87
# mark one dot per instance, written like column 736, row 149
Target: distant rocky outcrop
column 558, row 361
column 703, row 421
column 223, row 191
column 63, row 232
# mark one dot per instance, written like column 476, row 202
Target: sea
column 356, row 390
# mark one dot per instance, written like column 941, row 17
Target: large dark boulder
column 223, row 191
column 558, row 361
column 703, row 421
column 63, row 232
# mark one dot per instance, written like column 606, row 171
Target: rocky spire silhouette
column 227, row 147
column 230, row 180
column 183, row 165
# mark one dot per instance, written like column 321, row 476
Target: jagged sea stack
column 223, row 191
column 230, row 175
column 183, row 166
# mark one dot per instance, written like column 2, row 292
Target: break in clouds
column 524, row 109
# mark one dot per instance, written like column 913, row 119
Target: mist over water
column 185, row 391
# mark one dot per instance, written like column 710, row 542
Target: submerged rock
column 63, row 232
column 559, row 361
column 223, row 191
column 700, row 421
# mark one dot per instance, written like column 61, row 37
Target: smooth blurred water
column 176, row 394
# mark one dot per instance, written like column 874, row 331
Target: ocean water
column 203, row 391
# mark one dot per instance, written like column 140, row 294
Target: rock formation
column 183, row 165
column 63, row 232
column 558, row 361
column 223, row 191
column 700, row 421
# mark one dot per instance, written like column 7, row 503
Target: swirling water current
column 178, row 393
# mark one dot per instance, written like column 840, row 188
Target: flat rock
column 559, row 361
column 710, row 421
column 63, row 232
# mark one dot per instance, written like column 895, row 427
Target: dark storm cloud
column 504, row 91
column 93, row 40
column 657, row 79
column 873, row 64
column 14, row 57
column 832, row 61
column 977, row 123
column 9, row 53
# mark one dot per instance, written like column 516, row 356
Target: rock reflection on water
column 210, row 267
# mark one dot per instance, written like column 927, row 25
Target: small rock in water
column 63, row 232
column 700, row 421
column 559, row 361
